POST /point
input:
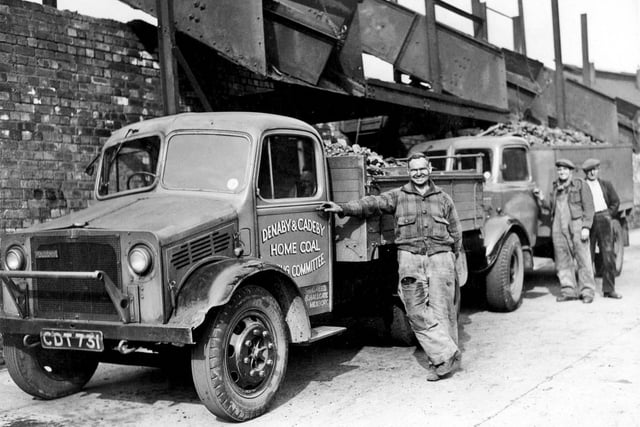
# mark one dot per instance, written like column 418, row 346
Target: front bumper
column 118, row 299
column 110, row 330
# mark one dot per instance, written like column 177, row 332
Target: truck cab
column 507, row 168
column 203, row 234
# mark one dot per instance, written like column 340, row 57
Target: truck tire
column 618, row 245
column 241, row 359
column 505, row 280
column 457, row 301
column 47, row 374
column 400, row 329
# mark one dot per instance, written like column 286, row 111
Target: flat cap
column 566, row 163
column 590, row 164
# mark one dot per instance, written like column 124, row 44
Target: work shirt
column 599, row 204
column 424, row 224
column 610, row 196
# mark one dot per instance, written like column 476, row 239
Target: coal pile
column 375, row 162
column 337, row 144
column 541, row 135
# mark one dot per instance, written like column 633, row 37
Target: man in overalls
column 571, row 208
column 429, row 239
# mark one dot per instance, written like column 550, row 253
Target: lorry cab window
column 514, row 164
column 287, row 167
column 129, row 165
column 438, row 159
column 470, row 162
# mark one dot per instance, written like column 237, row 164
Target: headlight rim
column 21, row 256
column 147, row 254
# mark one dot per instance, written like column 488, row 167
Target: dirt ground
column 546, row 364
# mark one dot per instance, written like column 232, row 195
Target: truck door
column 516, row 184
column 292, row 183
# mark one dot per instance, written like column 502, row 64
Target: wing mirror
column 91, row 166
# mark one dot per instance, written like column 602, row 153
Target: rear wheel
column 458, row 299
column 618, row 245
column 505, row 280
column 400, row 328
column 241, row 359
column 47, row 374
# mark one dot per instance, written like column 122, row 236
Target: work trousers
column 427, row 290
column 602, row 233
column 571, row 255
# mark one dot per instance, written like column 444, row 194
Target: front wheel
column 47, row 374
column 505, row 281
column 241, row 359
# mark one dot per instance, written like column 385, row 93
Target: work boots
column 613, row 295
column 436, row 373
column 431, row 374
column 450, row 366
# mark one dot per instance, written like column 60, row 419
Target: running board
column 321, row 332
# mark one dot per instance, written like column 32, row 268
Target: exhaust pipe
column 124, row 348
column 27, row 344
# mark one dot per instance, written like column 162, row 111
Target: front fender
column 496, row 230
column 213, row 285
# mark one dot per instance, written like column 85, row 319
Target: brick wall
column 66, row 82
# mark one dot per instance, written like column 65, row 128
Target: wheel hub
column 251, row 354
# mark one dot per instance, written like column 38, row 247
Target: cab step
column 321, row 332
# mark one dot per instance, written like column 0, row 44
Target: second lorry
column 512, row 168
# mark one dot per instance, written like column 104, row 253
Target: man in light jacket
column 606, row 203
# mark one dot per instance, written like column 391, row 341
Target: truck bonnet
column 165, row 216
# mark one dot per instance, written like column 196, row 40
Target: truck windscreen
column 129, row 165
column 207, row 162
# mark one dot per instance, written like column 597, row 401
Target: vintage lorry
column 512, row 169
column 204, row 236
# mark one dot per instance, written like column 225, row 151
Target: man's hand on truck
column 538, row 194
column 330, row 207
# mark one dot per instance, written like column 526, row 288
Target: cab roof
column 249, row 122
column 467, row 142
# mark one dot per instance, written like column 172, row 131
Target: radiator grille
column 200, row 248
column 84, row 299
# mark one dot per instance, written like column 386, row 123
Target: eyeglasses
column 423, row 170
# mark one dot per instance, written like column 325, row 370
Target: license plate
column 71, row 339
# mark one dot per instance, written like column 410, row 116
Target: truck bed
column 357, row 239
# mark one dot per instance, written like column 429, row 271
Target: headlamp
column 140, row 259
